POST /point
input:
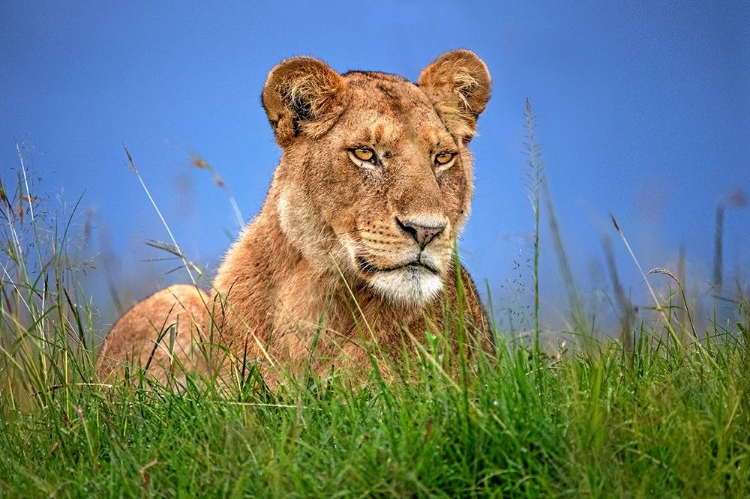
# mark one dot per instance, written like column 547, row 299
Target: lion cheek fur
column 305, row 231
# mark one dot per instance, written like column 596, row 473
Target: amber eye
column 364, row 153
column 443, row 158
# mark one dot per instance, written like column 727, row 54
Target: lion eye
column 364, row 153
column 443, row 158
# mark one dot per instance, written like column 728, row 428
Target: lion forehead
column 389, row 111
column 389, row 94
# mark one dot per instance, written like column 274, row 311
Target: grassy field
column 664, row 421
column 665, row 417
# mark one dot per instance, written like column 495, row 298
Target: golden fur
column 355, row 237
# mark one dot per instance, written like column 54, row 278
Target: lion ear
column 303, row 95
column 459, row 85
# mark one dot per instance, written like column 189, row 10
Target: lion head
column 375, row 177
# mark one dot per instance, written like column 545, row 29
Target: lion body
column 354, row 243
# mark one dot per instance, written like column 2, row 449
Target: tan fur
column 158, row 334
column 344, row 252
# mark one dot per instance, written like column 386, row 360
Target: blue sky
column 643, row 112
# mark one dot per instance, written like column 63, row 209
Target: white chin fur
column 407, row 286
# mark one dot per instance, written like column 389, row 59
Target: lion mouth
column 417, row 265
column 410, row 282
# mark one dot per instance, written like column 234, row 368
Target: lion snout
column 423, row 232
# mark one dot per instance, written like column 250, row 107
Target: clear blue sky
column 643, row 112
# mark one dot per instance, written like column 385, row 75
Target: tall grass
column 536, row 181
column 664, row 418
column 46, row 322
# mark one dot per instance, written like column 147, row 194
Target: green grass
column 671, row 422
column 659, row 419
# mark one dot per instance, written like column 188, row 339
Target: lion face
column 375, row 180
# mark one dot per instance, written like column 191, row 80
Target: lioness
column 354, row 244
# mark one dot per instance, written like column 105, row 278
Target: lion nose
column 422, row 233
